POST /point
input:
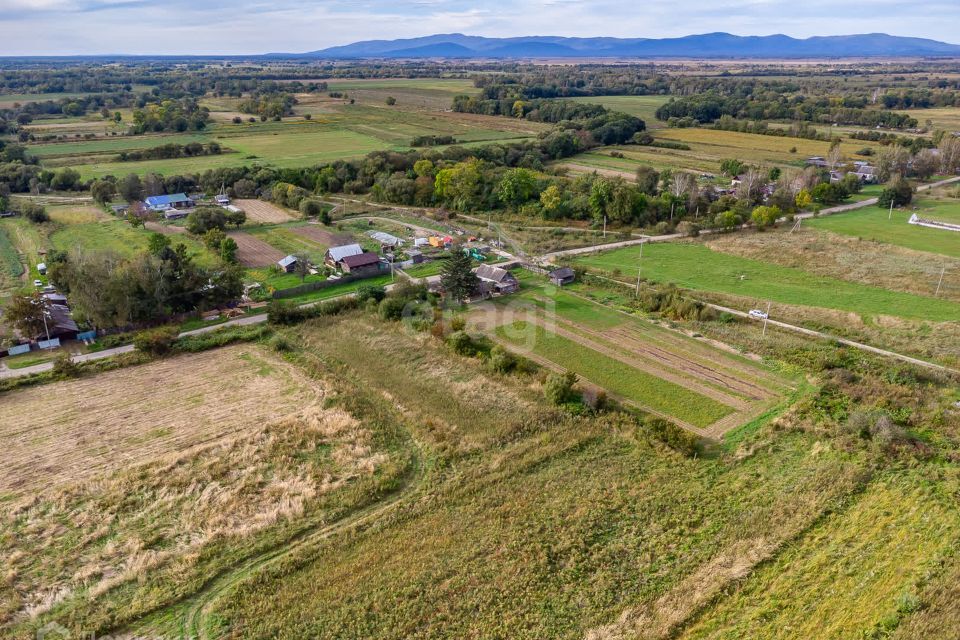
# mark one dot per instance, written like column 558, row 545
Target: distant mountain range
column 710, row 45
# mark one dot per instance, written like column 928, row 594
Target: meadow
column 11, row 268
column 708, row 147
column 692, row 265
column 643, row 107
column 872, row 223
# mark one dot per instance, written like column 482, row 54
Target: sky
column 85, row 27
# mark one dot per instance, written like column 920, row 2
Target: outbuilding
column 287, row 264
column 562, row 276
column 166, row 202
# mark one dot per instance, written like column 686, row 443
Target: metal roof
column 172, row 198
column 384, row 238
column 339, row 253
column 286, row 262
column 492, row 273
column 361, row 260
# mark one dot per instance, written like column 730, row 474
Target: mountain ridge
column 708, row 45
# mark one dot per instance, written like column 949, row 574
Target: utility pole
column 765, row 318
column 942, row 271
column 890, row 215
column 604, row 225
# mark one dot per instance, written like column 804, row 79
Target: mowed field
column 708, row 147
column 147, row 413
column 694, row 265
column 136, row 486
column 703, row 389
column 872, row 223
column 336, row 130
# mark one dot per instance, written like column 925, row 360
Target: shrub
column 462, row 343
column 156, row 342
column 501, row 360
column 673, row 436
column 558, row 387
column 370, row 292
column 34, row 212
column 65, row 367
column 392, row 308
column 281, row 344
column 458, row 323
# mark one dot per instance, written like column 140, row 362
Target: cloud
column 58, row 27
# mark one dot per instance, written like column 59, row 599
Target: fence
column 307, row 287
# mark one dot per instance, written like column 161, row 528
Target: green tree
column 213, row 238
column 457, row 278
column 228, row 250
column 302, row 266
column 899, row 191
column 131, row 188
column 156, row 243
column 764, row 217
column 601, row 191
column 34, row 212
column 236, row 218
column 103, row 191
column 516, row 187
column 203, row 219
column 26, row 314
column 459, row 185
column 726, row 220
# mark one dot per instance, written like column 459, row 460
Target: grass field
column 549, row 529
column 708, row 147
column 643, row 107
column 7, row 100
column 863, row 568
column 11, row 268
column 871, row 223
column 694, row 266
column 828, row 254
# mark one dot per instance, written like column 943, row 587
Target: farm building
column 287, row 264
column 501, row 280
column 335, row 255
column 415, row 256
column 164, row 203
column 362, row 264
column 386, row 240
column 562, row 276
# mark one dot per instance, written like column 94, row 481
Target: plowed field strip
column 253, row 252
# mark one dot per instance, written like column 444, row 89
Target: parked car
column 757, row 313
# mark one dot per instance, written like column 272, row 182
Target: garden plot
column 688, row 381
column 253, row 252
column 263, row 212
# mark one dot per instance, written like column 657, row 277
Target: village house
column 362, row 264
column 164, row 204
column 335, row 255
column 501, row 280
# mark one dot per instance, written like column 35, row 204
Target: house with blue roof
column 164, row 203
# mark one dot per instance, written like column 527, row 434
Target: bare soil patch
column 323, row 236
column 253, row 252
column 263, row 212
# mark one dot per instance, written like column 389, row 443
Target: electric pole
column 940, row 282
column 765, row 318
column 639, row 270
column 890, row 215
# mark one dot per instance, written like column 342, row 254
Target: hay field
column 133, row 488
column 71, row 431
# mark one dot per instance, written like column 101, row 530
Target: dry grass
column 77, row 214
column 264, row 212
column 834, row 255
column 72, row 431
column 169, row 493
